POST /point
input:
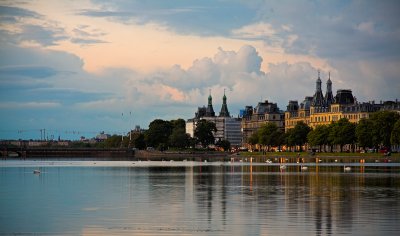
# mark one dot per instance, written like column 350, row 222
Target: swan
column 304, row 167
column 282, row 167
column 346, row 168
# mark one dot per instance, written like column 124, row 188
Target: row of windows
column 335, row 118
column 294, row 122
column 328, row 118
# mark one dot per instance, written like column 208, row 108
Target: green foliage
column 318, row 136
column 383, row 125
column 224, row 144
column 253, row 139
column 298, row 135
column 204, row 132
column 178, row 123
column 113, row 141
column 395, row 136
column 179, row 138
column 342, row 132
column 138, row 141
column 289, row 138
column 364, row 133
column 270, row 135
column 158, row 133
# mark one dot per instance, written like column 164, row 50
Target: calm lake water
column 192, row 198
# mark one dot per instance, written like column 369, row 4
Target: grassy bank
column 320, row 154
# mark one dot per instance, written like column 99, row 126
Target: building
column 254, row 118
column 228, row 128
column 323, row 110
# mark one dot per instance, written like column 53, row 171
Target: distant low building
column 102, row 136
column 228, row 128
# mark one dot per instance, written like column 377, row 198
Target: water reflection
column 200, row 199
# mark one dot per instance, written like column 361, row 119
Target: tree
column 383, row 125
column 342, row 132
column 178, row 123
column 158, row 133
column 113, row 141
column 179, row 138
column 289, row 138
column 318, row 136
column 253, row 139
column 138, row 141
column 204, row 132
column 395, row 136
column 298, row 136
column 270, row 135
column 364, row 133
column 224, row 144
column 279, row 138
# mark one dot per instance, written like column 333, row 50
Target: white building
column 228, row 128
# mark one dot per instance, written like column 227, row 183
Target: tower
column 210, row 110
column 329, row 99
column 224, row 109
column 318, row 98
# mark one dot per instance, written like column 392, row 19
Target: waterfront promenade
column 132, row 154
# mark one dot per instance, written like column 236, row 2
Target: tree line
column 163, row 135
column 382, row 129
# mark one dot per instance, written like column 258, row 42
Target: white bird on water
column 304, row 167
column 346, row 168
column 282, row 167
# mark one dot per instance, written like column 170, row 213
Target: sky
column 76, row 68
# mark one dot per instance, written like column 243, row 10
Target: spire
column 210, row 110
column 224, row 109
column 318, row 87
column 328, row 95
column 318, row 98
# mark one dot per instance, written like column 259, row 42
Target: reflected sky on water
column 197, row 199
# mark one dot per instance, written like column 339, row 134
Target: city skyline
column 80, row 65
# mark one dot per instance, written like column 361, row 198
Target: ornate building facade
column 254, row 118
column 323, row 110
column 228, row 128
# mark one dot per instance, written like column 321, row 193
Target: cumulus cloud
column 237, row 71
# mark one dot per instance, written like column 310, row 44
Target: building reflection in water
column 323, row 200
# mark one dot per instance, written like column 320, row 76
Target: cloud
column 255, row 31
column 29, row 105
column 16, row 29
column 333, row 29
column 27, row 71
column 15, row 12
column 86, row 41
column 184, row 17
